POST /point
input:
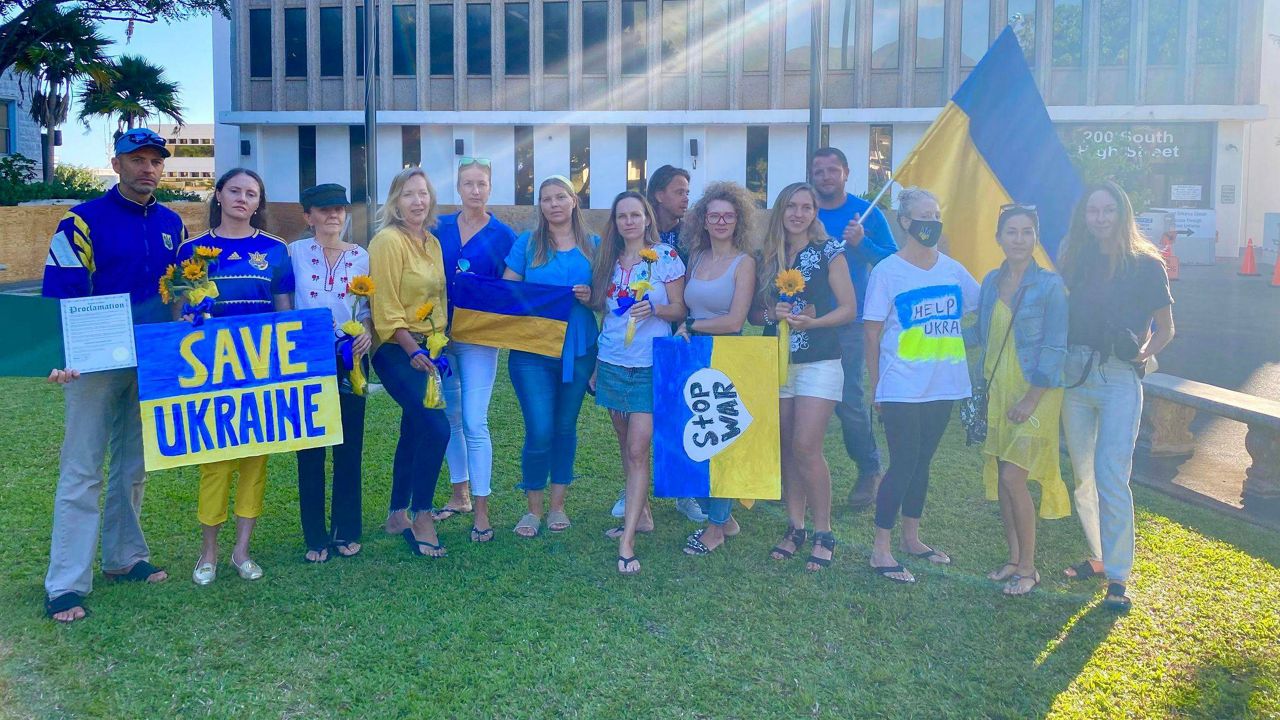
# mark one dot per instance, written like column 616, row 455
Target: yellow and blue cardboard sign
column 715, row 425
column 237, row 387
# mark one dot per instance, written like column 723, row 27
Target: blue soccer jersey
column 249, row 272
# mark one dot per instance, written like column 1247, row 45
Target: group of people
column 1047, row 346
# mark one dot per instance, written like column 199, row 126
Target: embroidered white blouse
column 321, row 284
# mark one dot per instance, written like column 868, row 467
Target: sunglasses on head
column 144, row 138
column 1016, row 206
column 467, row 160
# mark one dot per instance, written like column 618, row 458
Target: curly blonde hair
column 695, row 239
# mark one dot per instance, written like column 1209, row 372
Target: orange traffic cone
column 1170, row 260
column 1249, row 265
column 1275, row 276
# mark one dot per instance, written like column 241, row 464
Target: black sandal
column 626, row 561
column 416, row 545
column 693, row 544
column 140, row 572
column 340, row 545
column 797, row 537
column 827, row 540
column 480, row 536
column 317, row 551
column 64, row 602
column 1116, row 599
column 1083, row 571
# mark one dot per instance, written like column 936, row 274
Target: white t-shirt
column 922, row 355
column 639, row 353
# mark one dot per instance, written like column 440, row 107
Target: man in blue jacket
column 121, row 242
column 866, row 243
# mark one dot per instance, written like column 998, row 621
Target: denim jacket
column 1039, row 330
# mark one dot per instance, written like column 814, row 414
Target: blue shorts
column 624, row 389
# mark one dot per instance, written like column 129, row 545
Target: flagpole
column 888, row 181
column 370, row 114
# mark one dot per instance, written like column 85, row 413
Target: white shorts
column 820, row 379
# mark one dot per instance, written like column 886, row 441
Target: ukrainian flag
column 513, row 315
column 993, row 145
column 715, row 433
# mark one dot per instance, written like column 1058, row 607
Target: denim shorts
column 624, row 389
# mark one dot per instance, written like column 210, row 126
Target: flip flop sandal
column 68, row 601
column 140, row 572
column 318, row 560
column 1014, row 580
column 1121, row 602
column 998, row 570
column 1083, row 571
column 693, row 545
column 626, row 562
column 481, row 536
column 340, row 545
column 531, row 522
column 558, row 521
column 447, row 512
column 887, row 571
column 416, row 545
column 930, row 554
column 615, row 532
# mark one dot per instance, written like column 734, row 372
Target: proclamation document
column 97, row 333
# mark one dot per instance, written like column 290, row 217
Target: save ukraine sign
column 237, row 387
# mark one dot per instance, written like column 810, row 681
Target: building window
column 330, row 42
column 479, row 41
column 360, row 41
column 758, row 162
column 975, row 31
column 440, row 47
column 524, row 164
column 755, row 36
column 306, row 157
column 885, row 22
column 637, row 157
column 841, row 41
column 879, row 157
column 260, row 43
column 516, row 38
column 635, row 38
column 1215, row 23
column 404, row 40
column 1164, row 31
column 1068, row 33
column 555, row 38
column 356, row 145
column 930, row 18
column 675, row 34
column 1113, row 43
column 715, row 35
column 580, row 162
column 799, row 33
column 1022, row 16
column 410, row 146
column 295, row 42
column 824, row 136
column 595, row 37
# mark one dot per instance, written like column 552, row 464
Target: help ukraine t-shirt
column 922, row 356
column 249, row 272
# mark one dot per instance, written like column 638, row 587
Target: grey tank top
column 710, row 298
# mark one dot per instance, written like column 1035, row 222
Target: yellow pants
column 215, row 489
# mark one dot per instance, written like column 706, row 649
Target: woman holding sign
column 472, row 241
column 253, row 274
column 797, row 242
column 550, row 390
column 408, row 308
column 719, row 285
column 638, row 283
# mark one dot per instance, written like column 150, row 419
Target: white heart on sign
column 719, row 415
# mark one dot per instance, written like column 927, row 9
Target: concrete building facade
column 19, row 134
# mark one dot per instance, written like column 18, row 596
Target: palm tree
column 69, row 49
column 138, row 90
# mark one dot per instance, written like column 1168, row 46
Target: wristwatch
column 688, row 324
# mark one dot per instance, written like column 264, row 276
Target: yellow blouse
column 407, row 274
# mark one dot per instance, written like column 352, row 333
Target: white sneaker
column 620, row 507
column 690, row 509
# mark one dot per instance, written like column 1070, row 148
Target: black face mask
column 926, row 232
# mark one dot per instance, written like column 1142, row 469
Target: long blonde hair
column 540, row 238
column 773, row 251
column 389, row 214
column 694, row 237
column 1080, row 242
column 612, row 246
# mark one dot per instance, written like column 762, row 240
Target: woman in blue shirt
column 550, row 391
column 472, row 241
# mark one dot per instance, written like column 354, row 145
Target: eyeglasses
column 467, row 160
column 144, row 137
column 722, row 218
column 1016, row 206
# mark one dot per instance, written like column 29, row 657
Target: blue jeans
column 855, row 417
column 424, row 433
column 717, row 509
column 550, row 410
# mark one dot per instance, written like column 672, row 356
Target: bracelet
column 688, row 324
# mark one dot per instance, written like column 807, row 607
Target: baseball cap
column 138, row 138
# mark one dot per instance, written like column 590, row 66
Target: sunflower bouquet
column 360, row 289
column 434, row 347
column 639, row 290
column 790, row 284
column 191, row 282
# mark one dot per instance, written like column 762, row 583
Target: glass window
column 516, row 25
column 479, row 41
column 404, row 39
column 975, row 31
column 555, row 38
column 441, row 44
column 410, row 146
column 1022, row 16
column 260, row 43
column 841, row 40
column 879, row 157
column 595, row 37
column 930, row 17
column 1215, row 25
column 799, row 34
column 1113, row 43
column 524, row 164
column 1164, row 31
column 330, row 42
column 755, row 36
column 715, row 35
column 580, row 162
column 360, row 41
column 675, row 33
column 884, row 34
column 6, row 132
column 306, row 157
column 758, row 162
column 295, row 42
column 637, row 157
column 1068, row 33
column 356, row 146
column 635, row 39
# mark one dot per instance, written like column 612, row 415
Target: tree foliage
column 136, row 90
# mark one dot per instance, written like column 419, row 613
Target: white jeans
column 466, row 396
column 1100, row 420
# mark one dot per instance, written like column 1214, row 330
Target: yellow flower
column 790, row 282
column 354, row 328
column 165, row 296
column 641, row 288
column 206, row 251
column 435, row 344
column 192, row 269
column 169, row 272
column 361, row 285
column 649, row 255
column 424, row 311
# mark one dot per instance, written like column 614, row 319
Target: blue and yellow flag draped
column 993, row 145
column 513, row 315
column 715, row 429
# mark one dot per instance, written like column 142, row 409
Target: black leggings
column 912, row 432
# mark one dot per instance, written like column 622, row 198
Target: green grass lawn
column 546, row 628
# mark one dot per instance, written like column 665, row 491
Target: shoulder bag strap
column 1017, row 303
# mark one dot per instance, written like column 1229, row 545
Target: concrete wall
column 27, row 137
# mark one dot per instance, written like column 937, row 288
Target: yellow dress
column 1031, row 445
